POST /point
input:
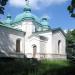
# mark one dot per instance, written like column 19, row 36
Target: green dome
column 25, row 15
column 8, row 20
column 44, row 22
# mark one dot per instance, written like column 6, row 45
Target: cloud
column 66, row 30
column 17, row 3
column 36, row 4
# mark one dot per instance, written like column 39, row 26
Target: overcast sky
column 55, row 10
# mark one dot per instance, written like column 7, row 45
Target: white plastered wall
column 29, row 47
column 56, row 37
column 48, row 43
column 8, row 39
column 28, row 27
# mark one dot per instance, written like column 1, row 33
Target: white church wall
column 42, row 49
column 48, row 35
column 8, row 39
column 18, row 26
column 29, row 47
column 49, row 47
column 59, row 49
column 26, row 26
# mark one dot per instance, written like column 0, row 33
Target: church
column 27, row 35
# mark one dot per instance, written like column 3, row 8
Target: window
column 33, row 29
column 59, row 46
column 34, row 50
column 18, row 45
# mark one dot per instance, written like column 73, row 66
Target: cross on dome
column 27, row 6
column 27, row 2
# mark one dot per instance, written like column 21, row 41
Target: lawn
column 35, row 67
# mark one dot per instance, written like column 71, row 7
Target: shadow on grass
column 35, row 67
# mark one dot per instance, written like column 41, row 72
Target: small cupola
column 45, row 23
column 8, row 16
column 8, row 20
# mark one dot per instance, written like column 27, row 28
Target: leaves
column 71, row 8
column 2, row 4
column 72, row 15
column 1, row 10
column 73, row 3
column 70, row 38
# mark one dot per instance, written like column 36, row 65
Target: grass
column 34, row 67
column 55, row 67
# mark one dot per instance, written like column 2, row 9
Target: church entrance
column 34, row 51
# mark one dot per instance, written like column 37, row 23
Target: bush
column 17, row 66
column 34, row 67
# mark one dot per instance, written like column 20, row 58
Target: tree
column 70, row 38
column 71, row 8
column 2, row 5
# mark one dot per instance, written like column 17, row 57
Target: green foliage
column 2, row 4
column 70, row 38
column 73, row 3
column 51, row 67
column 73, row 15
column 34, row 67
column 71, row 8
column 17, row 66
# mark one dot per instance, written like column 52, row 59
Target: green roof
column 6, row 26
column 23, row 16
column 44, row 22
column 8, row 20
column 26, row 15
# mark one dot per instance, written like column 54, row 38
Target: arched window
column 18, row 45
column 34, row 50
column 59, row 46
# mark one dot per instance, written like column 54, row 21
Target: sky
column 54, row 10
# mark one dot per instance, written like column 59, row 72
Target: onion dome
column 45, row 23
column 8, row 20
column 25, row 15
